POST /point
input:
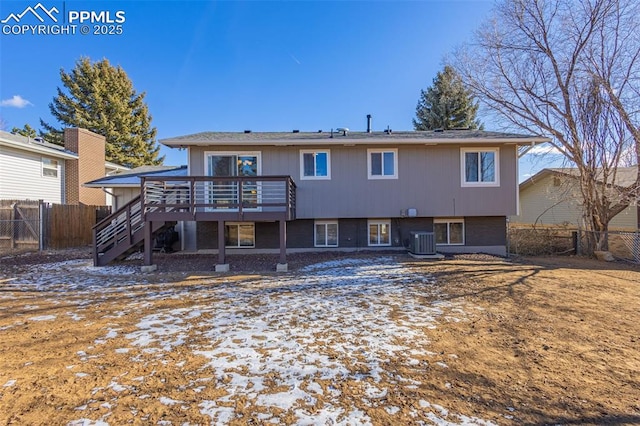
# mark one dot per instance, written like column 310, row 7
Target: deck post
column 148, row 265
column 221, row 266
column 282, row 263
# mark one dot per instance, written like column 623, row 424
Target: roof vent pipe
column 368, row 123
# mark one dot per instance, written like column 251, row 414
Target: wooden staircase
column 121, row 233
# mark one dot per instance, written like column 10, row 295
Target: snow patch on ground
column 332, row 322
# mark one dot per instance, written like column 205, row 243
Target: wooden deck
column 206, row 198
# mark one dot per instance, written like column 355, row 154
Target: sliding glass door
column 225, row 193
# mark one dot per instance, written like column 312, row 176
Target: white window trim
column 207, row 154
column 448, row 221
column 239, row 224
column 382, row 151
column 205, row 172
column 49, row 167
column 326, row 222
column 379, row 222
column 315, row 151
column 463, row 177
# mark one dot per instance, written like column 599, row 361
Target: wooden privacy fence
column 34, row 225
column 20, row 225
column 70, row 225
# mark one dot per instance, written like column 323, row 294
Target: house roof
column 131, row 178
column 45, row 148
column 114, row 167
column 351, row 138
column 38, row 146
column 625, row 176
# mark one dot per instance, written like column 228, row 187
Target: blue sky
column 236, row 65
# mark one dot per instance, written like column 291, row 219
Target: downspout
column 110, row 193
column 115, row 199
column 527, row 149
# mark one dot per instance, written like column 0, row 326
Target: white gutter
column 341, row 140
column 44, row 150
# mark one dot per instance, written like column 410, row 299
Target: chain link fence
column 622, row 244
column 528, row 240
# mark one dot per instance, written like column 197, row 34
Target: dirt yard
column 341, row 339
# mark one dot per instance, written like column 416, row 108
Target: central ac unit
column 422, row 243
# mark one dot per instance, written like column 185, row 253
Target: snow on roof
column 131, row 178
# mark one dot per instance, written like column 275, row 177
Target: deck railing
column 218, row 198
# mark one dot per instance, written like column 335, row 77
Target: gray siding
column 429, row 180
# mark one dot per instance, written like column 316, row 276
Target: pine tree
column 446, row 105
column 26, row 131
column 101, row 98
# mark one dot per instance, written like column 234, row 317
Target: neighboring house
column 332, row 191
column 36, row 170
column 552, row 197
column 124, row 186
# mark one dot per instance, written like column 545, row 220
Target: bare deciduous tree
column 570, row 70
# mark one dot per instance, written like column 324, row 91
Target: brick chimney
column 90, row 165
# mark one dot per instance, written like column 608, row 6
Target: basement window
column 449, row 231
column 379, row 232
column 238, row 235
column 326, row 234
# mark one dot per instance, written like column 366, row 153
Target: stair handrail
column 120, row 229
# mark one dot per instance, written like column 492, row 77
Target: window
column 379, row 233
column 382, row 164
column 315, row 165
column 326, row 234
column 480, row 167
column 239, row 234
column 49, row 167
column 449, row 231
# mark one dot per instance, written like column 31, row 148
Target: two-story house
column 33, row 169
column 332, row 191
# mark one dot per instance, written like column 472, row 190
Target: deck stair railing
column 120, row 233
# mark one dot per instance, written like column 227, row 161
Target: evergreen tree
column 26, row 131
column 101, row 98
column 446, row 105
